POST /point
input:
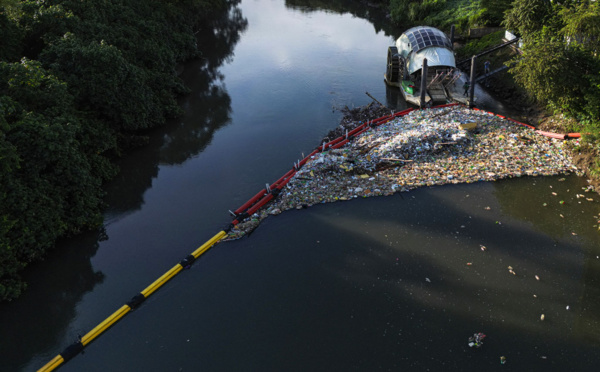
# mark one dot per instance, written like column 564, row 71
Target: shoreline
column 422, row 148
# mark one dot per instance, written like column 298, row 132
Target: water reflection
column 414, row 263
column 557, row 206
column 207, row 108
column 38, row 320
column 350, row 294
column 375, row 13
column 587, row 322
column 384, row 283
column 560, row 208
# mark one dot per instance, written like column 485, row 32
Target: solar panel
column 423, row 37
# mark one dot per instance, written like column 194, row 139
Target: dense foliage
column 79, row 82
column 561, row 61
column 560, row 64
column 444, row 13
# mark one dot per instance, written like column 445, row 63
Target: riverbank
column 584, row 155
column 504, row 88
column 81, row 84
column 423, row 148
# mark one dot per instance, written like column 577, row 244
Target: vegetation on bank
column 560, row 64
column 444, row 13
column 80, row 81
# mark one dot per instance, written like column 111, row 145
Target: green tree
column 79, row 82
column 10, row 285
column 125, row 96
column 560, row 64
column 528, row 16
column 11, row 38
column 582, row 25
column 542, row 70
column 412, row 11
column 492, row 11
column 49, row 188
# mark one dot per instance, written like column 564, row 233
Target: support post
column 452, row 35
column 472, row 82
column 423, row 83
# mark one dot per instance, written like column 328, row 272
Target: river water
column 386, row 283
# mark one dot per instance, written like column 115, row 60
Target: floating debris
column 537, row 277
column 542, row 317
column 422, row 148
column 502, row 359
column 476, row 340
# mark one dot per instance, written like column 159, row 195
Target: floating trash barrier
column 416, row 148
column 394, row 153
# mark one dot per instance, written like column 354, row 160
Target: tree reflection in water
column 374, row 12
column 39, row 320
column 207, row 108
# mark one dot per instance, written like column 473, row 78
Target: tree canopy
column 560, row 65
column 80, row 81
column 444, row 13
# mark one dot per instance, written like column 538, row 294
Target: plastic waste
column 476, row 340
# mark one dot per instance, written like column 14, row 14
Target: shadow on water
column 40, row 318
column 209, row 107
column 588, row 322
column 561, row 202
column 406, row 256
column 206, row 110
column 384, row 284
column 363, row 285
column 174, row 144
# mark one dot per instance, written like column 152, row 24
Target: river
column 387, row 283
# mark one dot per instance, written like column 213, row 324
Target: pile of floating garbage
column 423, row 148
